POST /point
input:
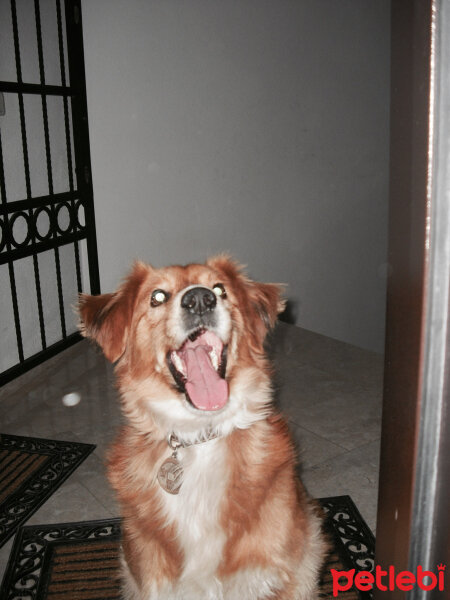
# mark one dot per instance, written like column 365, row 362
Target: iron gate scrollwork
column 52, row 225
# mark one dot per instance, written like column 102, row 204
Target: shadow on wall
column 290, row 313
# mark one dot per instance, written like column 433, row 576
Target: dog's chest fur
column 195, row 511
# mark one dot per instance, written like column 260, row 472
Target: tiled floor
column 329, row 391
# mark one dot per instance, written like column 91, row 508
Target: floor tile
column 354, row 473
column 92, row 475
column 345, row 420
column 327, row 354
column 71, row 502
column 313, row 449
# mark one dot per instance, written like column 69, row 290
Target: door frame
column 414, row 486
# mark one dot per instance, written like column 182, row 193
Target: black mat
column 31, row 469
column 79, row 561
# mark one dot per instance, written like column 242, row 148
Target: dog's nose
column 199, row 300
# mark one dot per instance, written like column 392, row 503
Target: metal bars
column 34, row 88
column 10, row 263
column 49, row 168
column 27, row 167
column 67, row 132
column 45, row 224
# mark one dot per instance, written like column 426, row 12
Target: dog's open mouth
column 199, row 367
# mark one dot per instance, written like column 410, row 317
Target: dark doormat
column 31, row 469
column 79, row 561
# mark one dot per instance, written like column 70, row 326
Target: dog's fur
column 241, row 527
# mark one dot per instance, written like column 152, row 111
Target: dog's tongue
column 206, row 389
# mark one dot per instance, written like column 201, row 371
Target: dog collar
column 175, row 442
column 170, row 474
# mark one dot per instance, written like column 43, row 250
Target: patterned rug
column 31, row 469
column 79, row 561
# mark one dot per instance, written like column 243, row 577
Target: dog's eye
column 159, row 297
column 219, row 290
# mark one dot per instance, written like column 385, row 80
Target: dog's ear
column 106, row 318
column 267, row 303
column 267, row 299
column 264, row 300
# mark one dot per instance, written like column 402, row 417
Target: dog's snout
column 199, row 300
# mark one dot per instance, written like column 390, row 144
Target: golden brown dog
column 205, row 469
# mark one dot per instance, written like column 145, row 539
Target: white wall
column 254, row 126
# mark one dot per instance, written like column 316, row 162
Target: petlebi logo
column 388, row 580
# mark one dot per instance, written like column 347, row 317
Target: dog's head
column 188, row 342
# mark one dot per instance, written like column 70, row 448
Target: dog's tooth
column 214, row 358
column 178, row 363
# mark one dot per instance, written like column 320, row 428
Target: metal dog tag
column 170, row 475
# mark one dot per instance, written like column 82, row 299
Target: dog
column 205, row 469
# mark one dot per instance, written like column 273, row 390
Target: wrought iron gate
column 48, row 250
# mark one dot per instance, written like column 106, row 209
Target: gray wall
column 259, row 127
